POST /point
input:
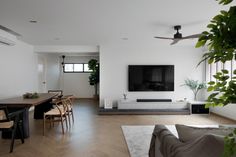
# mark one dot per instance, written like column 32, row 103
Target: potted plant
column 94, row 75
column 221, row 43
column 195, row 86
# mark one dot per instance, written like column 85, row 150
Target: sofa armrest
column 166, row 138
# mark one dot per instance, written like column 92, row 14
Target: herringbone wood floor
column 92, row 135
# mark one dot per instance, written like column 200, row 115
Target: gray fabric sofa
column 192, row 142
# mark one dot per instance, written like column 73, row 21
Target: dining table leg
column 41, row 108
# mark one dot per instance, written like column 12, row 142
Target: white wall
column 18, row 68
column 53, row 71
column 77, row 83
column 115, row 58
column 226, row 111
column 52, row 64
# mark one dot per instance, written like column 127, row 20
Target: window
column 213, row 68
column 86, row 68
column 76, row 68
column 69, row 68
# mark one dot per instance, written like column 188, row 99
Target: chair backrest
column 59, row 103
column 70, row 98
column 3, row 114
column 66, row 104
column 6, row 116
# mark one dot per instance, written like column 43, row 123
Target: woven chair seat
column 57, row 114
column 6, row 125
column 12, row 122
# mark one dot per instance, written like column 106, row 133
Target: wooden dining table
column 41, row 105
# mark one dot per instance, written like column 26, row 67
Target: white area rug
column 138, row 137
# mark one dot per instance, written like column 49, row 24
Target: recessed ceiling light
column 125, row 38
column 33, row 21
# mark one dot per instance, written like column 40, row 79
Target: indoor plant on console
column 195, row 86
column 94, row 75
column 221, row 43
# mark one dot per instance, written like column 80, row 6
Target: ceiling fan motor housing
column 177, row 34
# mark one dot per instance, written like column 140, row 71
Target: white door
column 42, row 85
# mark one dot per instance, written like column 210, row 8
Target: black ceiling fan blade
column 164, row 38
column 192, row 36
column 175, row 41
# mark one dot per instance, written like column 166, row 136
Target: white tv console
column 133, row 104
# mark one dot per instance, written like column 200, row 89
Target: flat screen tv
column 151, row 78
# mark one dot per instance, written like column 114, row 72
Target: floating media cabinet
column 133, row 104
column 147, row 106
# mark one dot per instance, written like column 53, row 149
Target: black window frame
column 73, row 68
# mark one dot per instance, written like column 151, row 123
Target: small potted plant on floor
column 94, row 75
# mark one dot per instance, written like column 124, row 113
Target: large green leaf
column 211, row 82
column 224, row 71
column 224, row 2
column 210, row 88
column 200, row 43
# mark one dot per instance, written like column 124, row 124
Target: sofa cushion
column 208, row 145
column 187, row 133
column 170, row 146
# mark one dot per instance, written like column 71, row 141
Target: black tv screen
column 151, row 78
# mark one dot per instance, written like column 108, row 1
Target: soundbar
column 154, row 100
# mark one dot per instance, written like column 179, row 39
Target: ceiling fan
column 178, row 36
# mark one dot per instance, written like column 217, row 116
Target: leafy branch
column 230, row 145
column 221, row 43
column 224, row 90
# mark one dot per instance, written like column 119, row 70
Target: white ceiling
column 92, row 22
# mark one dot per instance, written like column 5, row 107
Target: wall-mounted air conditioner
column 6, row 41
column 8, row 36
